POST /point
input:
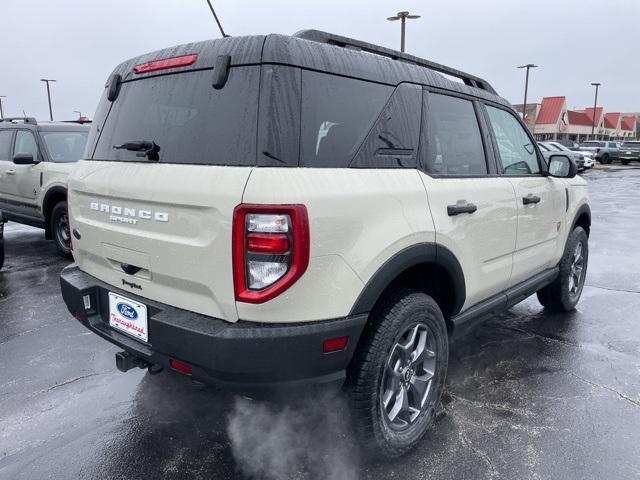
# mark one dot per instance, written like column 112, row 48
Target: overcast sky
column 575, row 42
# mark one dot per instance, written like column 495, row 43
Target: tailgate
column 162, row 231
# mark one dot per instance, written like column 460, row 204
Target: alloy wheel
column 576, row 273
column 408, row 376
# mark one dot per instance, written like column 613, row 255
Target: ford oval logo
column 127, row 311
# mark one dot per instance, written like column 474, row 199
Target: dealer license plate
column 128, row 316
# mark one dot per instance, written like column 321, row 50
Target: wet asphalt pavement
column 529, row 394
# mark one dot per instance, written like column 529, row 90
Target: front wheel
column 563, row 294
column 60, row 229
column 397, row 376
column 605, row 159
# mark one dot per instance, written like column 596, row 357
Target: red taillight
column 270, row 250
column 273, row 243
column 166, row 63
column 335, row 344
column 181, row 367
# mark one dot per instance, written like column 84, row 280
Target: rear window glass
column 631, row 144
column 186, row 117
column 455, row 143
column 5, row 144
column 65, row 146
column 337, row 114
column 592, row 144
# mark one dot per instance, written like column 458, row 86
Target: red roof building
column 611, row 120
column 628, row 124
column 550, row 110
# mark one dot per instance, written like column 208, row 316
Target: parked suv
column 549, row 149
column 280, row 210
column 629, row 152
column 35, row 161
column 605, row 152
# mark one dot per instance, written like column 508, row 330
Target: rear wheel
column 60, row 229
column 563, row 294
column 397, row 376
column 605, row 159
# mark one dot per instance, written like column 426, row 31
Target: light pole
column 79, row 113
column 595, row 105
column 47, row 80
column 402, row 16
column 1, row 110
column 528, row 66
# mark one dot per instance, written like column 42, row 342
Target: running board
column 502, row 301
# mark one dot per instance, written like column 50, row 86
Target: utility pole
column 528, row 66
column 402, row 16
column 595, row 105
column 47, row 80
column 1, row 110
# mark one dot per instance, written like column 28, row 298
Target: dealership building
column 552, row 120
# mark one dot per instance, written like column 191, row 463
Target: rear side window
column 5, row 144
column 454, row 141
column 186, row 117
column 337, row 114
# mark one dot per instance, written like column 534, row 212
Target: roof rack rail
column 30, row 120
column 81, row 122
column 340, row 41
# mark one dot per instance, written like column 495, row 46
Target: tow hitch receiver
column 125, row 362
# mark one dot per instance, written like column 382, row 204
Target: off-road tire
column 398, row 311
column 58, row 219
column 556, row 296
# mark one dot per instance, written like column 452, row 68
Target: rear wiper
column 146, row 149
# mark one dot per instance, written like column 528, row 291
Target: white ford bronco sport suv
column 35, row 161
column 275, row 210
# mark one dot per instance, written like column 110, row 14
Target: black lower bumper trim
column 242, row 355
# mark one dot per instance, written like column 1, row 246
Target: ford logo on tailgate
column 127, row 311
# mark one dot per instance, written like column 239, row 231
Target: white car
column 283, row 210
column 589, row 160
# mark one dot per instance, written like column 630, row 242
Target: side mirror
column 24, row 159
column 562, row 166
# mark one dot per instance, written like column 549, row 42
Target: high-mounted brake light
column 270, row 250
column 166, row 63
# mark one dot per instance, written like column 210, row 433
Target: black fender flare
column 405, row 259
column 584, row 208
column 45, row 204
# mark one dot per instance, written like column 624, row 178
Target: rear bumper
column 243, row 356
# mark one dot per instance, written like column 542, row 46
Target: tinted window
column 337, row 114
column 65, row 146
column 517, row 152
column 5, row 144
column 393, row 140
column 25, row 143
column 592, row 144
column 454, row 141
column 190, row 120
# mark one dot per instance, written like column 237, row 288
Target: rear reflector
column 268, row 243
column 165, row 63
column 181, row 367
column 335, row 344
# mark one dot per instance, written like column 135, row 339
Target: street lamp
column 595, row 105
column 528, row 66
column 2, row 111
column 47, row 80
column 79, row 113
column 402, row 16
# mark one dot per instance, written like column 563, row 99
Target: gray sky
column 575, row 42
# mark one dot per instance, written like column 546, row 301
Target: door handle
column 10, row 172
column 530, row 199
column 461, row 207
